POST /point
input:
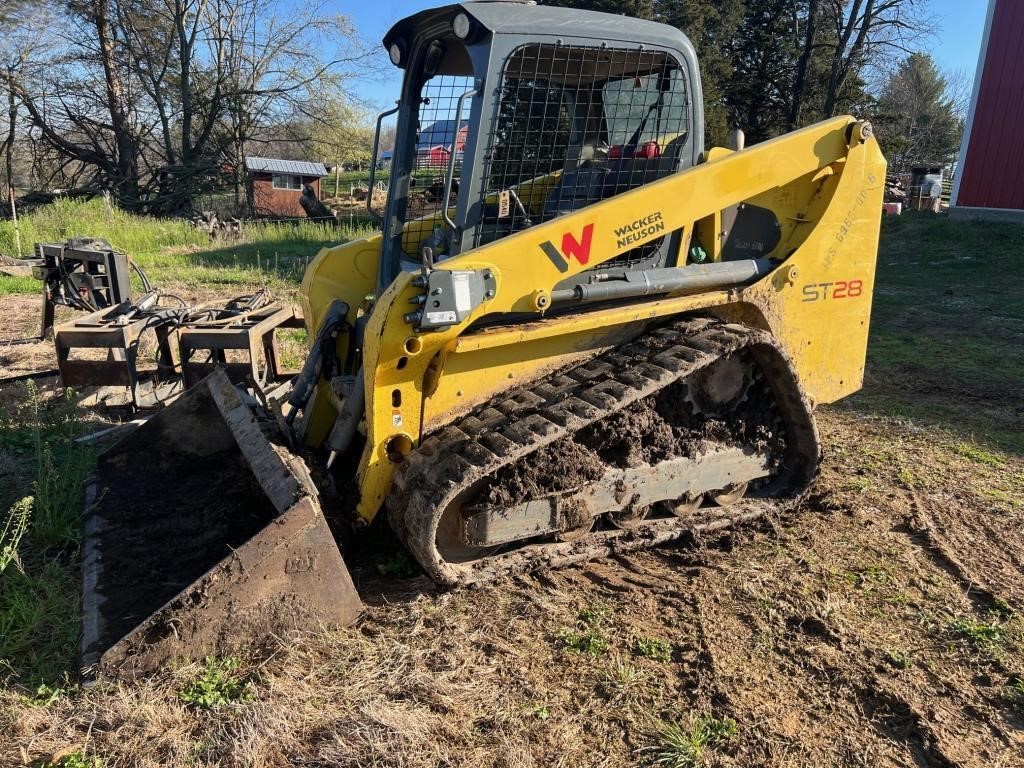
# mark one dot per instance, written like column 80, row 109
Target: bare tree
column 959, row 87
column 79, row 96
column 808, row 44
column 278, row 81
column 156, row 98
column 868, row 31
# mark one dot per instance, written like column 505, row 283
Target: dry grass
column 879, row 625
column 827, row 637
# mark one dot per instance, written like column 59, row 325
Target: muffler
column 203, row 536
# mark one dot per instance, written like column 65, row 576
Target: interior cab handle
column 450, row 173
column 373, row 161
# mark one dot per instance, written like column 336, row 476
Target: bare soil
column 172, row 514
column 20, row 321
column 833, row 637
column 879, row 624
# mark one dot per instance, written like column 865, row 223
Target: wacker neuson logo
column 639, row 230
column 571, row 249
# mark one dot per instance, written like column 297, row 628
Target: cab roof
column 526, row 18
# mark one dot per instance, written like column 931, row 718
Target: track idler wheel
column 451, row 540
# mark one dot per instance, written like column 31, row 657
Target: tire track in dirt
column 767, row 700
column 955, row 538
column 777, row 670
column 783, row 674
column 955, row 725
column 945, row 719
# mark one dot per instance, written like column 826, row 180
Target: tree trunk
column 846, row 54
column 127, row 162
column 800, row 83
column 12, row 115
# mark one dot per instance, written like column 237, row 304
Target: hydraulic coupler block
column 450, row 296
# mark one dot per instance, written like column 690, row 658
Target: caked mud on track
column 634, row 415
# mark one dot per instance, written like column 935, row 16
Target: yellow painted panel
column 825, row 190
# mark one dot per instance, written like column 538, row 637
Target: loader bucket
column 202, row 536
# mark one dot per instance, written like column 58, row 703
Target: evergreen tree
column 771, row 66
column 764, row 57
column 916, row 121
column 710, row 25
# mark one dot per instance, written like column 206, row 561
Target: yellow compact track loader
column 577, row 333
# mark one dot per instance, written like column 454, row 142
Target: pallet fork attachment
column 201, row 536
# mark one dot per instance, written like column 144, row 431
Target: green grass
column 593, row 615
column 173, row 252
column 76, row 760
column 1014, row 693
column 947, row 329
column 12, row 531
column 538, row 711
column 398, row 564
column 988, row 637
column 9, row 285
column 39, row 587
column 348, row 178
column 686, row 746
column 587, row 641
column 623, row 682
column 899, row 659
column 269, row 254
column 293, row 346
column 587, row 636
column 979, row 455
column 133, row 234
column 653, row 648
column 217, row 684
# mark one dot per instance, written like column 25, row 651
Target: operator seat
column 582, row 182
column 587, row 181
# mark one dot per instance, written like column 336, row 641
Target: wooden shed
column 989, row 179
column 275, row 186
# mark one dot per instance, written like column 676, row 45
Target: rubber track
column 505, row 430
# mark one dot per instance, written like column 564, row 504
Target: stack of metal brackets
column 117, row 331
column 251, row 333
column 187, row 350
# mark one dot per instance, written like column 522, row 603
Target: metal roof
column 295, row 167
column 440, row 133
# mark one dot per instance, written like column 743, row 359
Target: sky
column 955, row 46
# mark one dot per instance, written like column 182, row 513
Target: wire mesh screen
column 441, row 133
column 575, row 125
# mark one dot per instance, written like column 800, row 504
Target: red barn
column 990, row 178
column 435, row 143
column 275, row 186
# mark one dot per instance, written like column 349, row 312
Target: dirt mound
column 657, row 428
